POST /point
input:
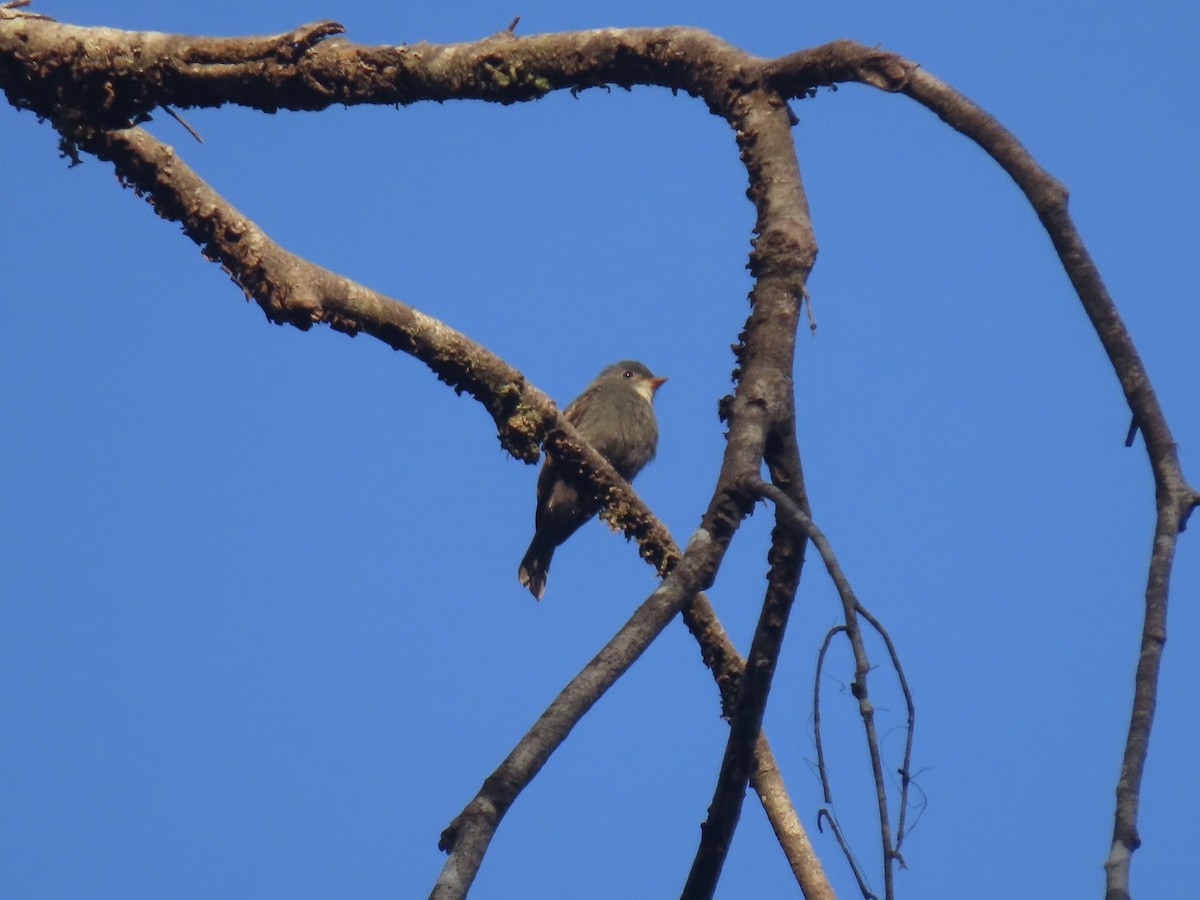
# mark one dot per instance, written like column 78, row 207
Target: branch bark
column 796, row 75
column 95, row 83
column 783, row 256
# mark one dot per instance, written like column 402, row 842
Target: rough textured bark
column 94, row 85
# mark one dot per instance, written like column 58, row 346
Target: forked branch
column 95, row 83
column 790, row 513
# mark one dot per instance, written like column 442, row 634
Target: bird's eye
column 628, row 373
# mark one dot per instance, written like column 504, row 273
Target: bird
column 615, row 414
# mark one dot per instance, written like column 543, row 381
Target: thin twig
column 802, row 522
column 822, row 770
column 855, row 868
column 180, row 119
column 909, row 729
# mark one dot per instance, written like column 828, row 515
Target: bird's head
column 633, row 373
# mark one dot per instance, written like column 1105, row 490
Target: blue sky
column 261, row 632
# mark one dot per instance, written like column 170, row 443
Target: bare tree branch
column 826, row 815
column 93, row 83
column 823, row 771
column 905, row 770
column 466, row 838
column 1175, row 498
column 744, row 728
column 786, row 558
column 117, row 76
column 790, row 513
column 839, row 61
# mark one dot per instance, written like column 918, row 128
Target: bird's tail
column 534, row 568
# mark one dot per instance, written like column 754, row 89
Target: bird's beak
column 647, row 386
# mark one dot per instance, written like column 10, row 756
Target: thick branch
column 782, row 258
column 118, row 75
column 293, row 290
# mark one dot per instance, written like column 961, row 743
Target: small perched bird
column 615, row 414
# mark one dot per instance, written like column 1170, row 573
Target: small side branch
column 822, row 770
column 790, row 512
column 10, row 9
column 182, row 121
column 855, row 868
column 905, row 770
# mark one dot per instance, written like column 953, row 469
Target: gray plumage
column 615, row 415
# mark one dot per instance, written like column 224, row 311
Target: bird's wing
column 577, row 409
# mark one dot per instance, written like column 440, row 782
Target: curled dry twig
column 790, row 513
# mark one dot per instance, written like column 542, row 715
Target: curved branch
column 790, row 512
column 85, row 78
column 905, row 770
column 1174, row 497
column 840, row 61
column 822, row 769
column 118, row 76
column 836, row 828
